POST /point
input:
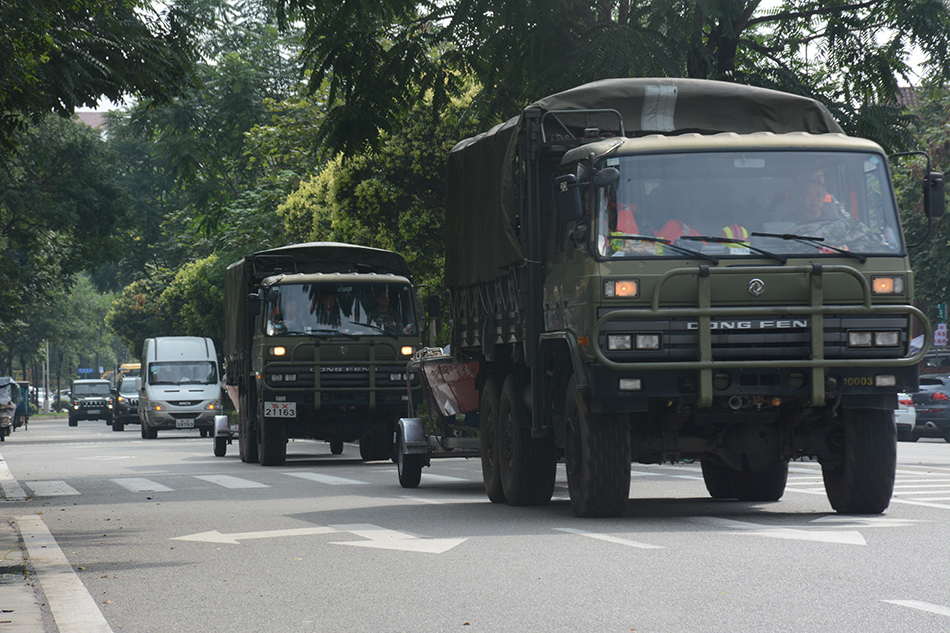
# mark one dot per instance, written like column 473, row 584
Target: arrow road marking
column 234, row 539
column 843, row 537
column 610, row 539
column 378, row 537
column 922, row 606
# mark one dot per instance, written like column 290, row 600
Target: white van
column 178, row 388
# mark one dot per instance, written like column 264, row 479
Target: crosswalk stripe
column 51, row 488
column 326, row 479
column 231, row 482
column 140, row 484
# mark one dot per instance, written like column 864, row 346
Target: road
column 159, row 535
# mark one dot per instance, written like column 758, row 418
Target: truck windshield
column 91, row 389
column 344, row 308
column 840, row 201
column 182, row 373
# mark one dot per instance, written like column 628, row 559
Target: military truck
column 642, row 271
column 317, row 337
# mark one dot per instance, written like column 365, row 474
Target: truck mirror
column 934, row 203
column 433, row 306
column 138, row 384
column 606, row 176
column 252, row 304
column 567, row 197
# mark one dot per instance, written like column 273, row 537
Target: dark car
column 90, row 400
column 126, row 404
column 933, row 407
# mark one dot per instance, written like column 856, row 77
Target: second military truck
column 317, row 337
column 660, row 270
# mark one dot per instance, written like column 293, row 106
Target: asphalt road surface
column 133, row 535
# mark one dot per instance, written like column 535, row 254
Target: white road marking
column 228, row 481
column 72, row 607
column 51, row 488
column 11, row 488
column 431, row 478
column 326, row 479
column 922, row 606
column 610, row 539
column 234, row 539
column 849, row 537
column 380, row 538
column 140, row 484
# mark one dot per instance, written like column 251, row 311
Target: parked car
column 933, row 407
column 905, row 417
column 126, row 404
column 91, row 400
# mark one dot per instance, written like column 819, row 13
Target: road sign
column 85, row 370
column 940, row 335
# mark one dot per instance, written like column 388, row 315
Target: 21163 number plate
column 280, row 409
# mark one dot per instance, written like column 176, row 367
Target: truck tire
column 272, row 443
column 247, row 430
column 336, row 446
column 151, row 433
column 527, row 469
column 488, row 435
column 376, row 446
column 73, row 421
column 719, row 480
column 597, row 456
column 409, row 467
column 143, row 430
column 862, row 480
column 118, row 426
column 220, row 446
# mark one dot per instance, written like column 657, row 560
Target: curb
column 20, row 605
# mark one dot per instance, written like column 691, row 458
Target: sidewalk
column 20, row 610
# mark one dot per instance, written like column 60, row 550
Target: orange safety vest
column 737, row 232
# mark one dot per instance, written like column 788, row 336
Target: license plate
column 184, row 424
column 280, row 409
column 93, row 411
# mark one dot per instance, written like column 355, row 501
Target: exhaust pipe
column 735, row 403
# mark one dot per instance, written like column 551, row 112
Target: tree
column 382, row 57
column 62, row 54
column 60, row 202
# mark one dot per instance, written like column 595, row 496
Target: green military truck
column 668, row 270
column 317, row 337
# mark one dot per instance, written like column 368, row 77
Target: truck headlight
column 629, row 288
column 616, row 342
column 648, row 341
column 868, row 338
column 278, row 351
column 887, row 285
column 156, row 406
column 214, row 405
column 406, row 350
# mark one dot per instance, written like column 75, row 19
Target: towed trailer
column 452, row 399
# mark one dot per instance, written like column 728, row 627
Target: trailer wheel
column 336, row 446
column 597, row 456
column 272, row 443
column 220, row 446
column 719, row 480
column 488, row 421
column 527, row 467
column 862, row 480
column 247, row 430
column 409, row 467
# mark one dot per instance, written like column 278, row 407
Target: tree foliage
column 62, row 54
column 382, row 57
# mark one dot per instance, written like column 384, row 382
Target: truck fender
column 553, row 339
column 413, row 434
column 222, row 428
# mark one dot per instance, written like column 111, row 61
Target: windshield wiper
column 666, row 242
column 727, row 240
column 811, row 241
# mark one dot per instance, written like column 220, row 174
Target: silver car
column 905, row 416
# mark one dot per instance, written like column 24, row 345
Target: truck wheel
column 597, row 456
column 247, row 431
column 409, row 467
column 719, row 480
column 151, row 433
column 862, row 480
column 488, row 440
column 336, row 446
column 220, row 446
column 144, row 430
column 765, row 484
column 118, row 426
column 527, row 470
column 272, row 443
column 73, row 421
